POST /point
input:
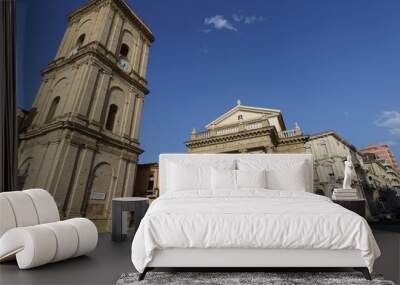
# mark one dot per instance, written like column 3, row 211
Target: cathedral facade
column 82, row 141
column 245, row 129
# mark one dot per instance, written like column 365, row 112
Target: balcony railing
column 287, row 134
column 241, row 128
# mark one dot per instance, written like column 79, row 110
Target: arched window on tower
column 80, row 41
column 112, row 114
column 53, row 109
column 123, row 52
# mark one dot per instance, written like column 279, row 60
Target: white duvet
column 250, row 219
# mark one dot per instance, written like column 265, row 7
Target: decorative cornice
column 234, row 137
column 243, row 108
column 294, row 140
column 100, row 137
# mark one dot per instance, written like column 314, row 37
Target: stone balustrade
column 245, row 126
column 287, row 134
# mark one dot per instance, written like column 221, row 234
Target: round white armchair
column 31, row 230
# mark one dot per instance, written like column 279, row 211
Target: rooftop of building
column 335, row 135
column 371, row 146
column 150, row 164
column 239, row 106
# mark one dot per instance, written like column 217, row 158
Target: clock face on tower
column 123, row 64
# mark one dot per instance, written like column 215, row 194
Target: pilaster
column 129, row 118
column 115, row 34
column 99, row 101
column 137, row 116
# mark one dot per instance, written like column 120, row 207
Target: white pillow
column 251, row 178
column 293, row 180
column 187, row 177
column 282, row 174
column 223, row 179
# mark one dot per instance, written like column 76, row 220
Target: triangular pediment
column 245, row 113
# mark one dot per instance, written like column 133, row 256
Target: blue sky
column 329, row 65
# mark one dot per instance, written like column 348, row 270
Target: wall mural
column 79, row 136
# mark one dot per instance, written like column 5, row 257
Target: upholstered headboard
column 284, row 161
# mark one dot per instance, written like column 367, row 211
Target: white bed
column 203, row 220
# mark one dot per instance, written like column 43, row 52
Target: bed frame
column 246, row 259
column 250, row 259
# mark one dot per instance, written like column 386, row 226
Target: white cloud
column 389, row 120
column 247, row 19
column 219, row 23
column 237, row 18
column 253, row 19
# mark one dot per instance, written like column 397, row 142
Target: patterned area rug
column 229, row 278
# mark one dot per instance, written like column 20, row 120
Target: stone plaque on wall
column 98, row 196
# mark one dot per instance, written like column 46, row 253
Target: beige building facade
column 384, row 152
column 380, row 173
column 245, row 129
column 330, row 150
column 146, row 183
column 376, row 171
column 82, row 144
column 261, row 130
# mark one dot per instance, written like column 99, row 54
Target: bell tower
column 83, row 141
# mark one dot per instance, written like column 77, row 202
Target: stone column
column 75, row 87
column 130, row 114
column 88, row 90
column 64, row 172
column 113, row 40
column 137, row 116
column 143, row 60
column 100, row 97
column 41, row 98
column 47, row 165
column 46, row 101
column 138, row 54
column 63, row 49
column 104, row 33
column 134, row 54
column 119, row 185
column 101, row 21
column 78, row 186
column 130, row 179
column 70, row 40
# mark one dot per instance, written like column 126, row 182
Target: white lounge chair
column 31, row 230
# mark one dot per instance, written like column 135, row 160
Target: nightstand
column 357, row 206
column 120, row 207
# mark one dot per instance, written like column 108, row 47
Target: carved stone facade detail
column 248, row 129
